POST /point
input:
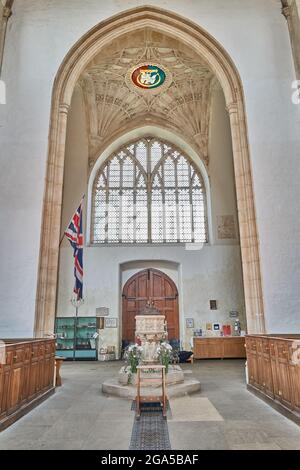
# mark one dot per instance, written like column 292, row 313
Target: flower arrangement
column 164, row 354
column 133, row 356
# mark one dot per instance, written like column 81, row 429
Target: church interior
column 149, row 195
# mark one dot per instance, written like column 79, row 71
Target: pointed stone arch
column 72, row 66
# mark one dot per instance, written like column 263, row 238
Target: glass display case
column 75, row 337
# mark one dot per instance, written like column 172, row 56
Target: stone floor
column 224, row 415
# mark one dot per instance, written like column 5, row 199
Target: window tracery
column 148, row 192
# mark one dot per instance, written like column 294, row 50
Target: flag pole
column 75, row 333
column 76, row 304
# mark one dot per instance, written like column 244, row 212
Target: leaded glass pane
column 99, row 216
column 128, row 173
column 169, row 173
column 141, row 154
column 199, row 216
column 127, row 220
column 155, row 153
column 183, row 176
column 157, row 216
column 185, row 220
column 156, row 182
column 170, row 215
column 114, row 173
column 113, row 222
column 141, row 217
column 140, row 181
column 149, row 192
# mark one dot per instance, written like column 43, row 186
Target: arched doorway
column 155, row 287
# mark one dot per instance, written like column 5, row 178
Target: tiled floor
column 223, row 416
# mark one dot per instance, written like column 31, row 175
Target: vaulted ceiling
column 114, row 104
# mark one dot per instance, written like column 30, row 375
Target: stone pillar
column 5, row 13
column 50, row 233
column 247, row 223
column 291, row 11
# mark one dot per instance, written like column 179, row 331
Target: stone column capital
column 64, row 108
column 7, row 12
column 232, row 108
column 286, row 11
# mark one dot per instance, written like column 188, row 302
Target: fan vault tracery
column 112, row 103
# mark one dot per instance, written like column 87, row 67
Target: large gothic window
column 148, row 192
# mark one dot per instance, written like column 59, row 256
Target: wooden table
column 219, row 347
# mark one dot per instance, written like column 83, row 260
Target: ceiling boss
column 148, row 76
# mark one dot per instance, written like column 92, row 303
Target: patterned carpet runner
column 150, row 432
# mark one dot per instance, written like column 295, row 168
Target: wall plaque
column 102, row 312
column 226, row 227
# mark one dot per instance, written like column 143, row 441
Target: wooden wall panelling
column 274, row 371
column 285, row 389
column 267, row 379
column 33, row 379
column 5, row 382
column 253, row 363
column 26, row 374
column 26, row 378
column 15, row 382
column 294, row 368
column 259, row 362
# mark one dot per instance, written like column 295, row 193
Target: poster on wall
column 189, row 323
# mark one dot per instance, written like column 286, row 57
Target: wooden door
column 150, row 285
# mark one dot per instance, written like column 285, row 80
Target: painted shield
column 148, row 76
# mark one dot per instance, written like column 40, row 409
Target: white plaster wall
column 212, row 273
column 254, row 33
column 222, row 183
column 76, row 161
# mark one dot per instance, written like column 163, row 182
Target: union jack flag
column 75, row 236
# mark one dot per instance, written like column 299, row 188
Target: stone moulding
column 68, row 74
